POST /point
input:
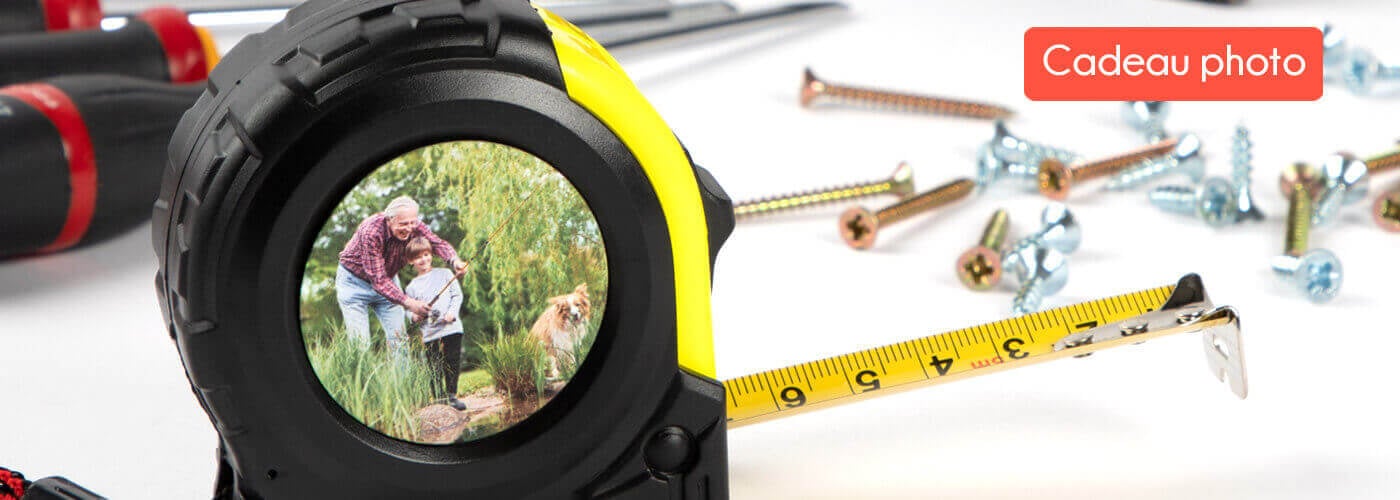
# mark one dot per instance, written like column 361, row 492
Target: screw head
column 1300, row 173
column 812, row 87
column 1359, row 70
column 1319, row 275
column 1055, row 179
column 1028, row 261
column 1006, row 147
column 1387, row 211
column 1047, row 265
column 1188, row 156
column 1217, row 202
column 1334, row 45
column 1348, row 173
column 979, row 268
column 1061, row 230
column 989, row 167
column 1345, row 180
column 902, row 180
column 1145, row 116
column 858, row 227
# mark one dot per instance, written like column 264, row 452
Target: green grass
column 472, row 380
column 381, row 393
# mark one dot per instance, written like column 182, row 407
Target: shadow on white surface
column 39, row 275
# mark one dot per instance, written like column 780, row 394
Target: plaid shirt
column 376, row 256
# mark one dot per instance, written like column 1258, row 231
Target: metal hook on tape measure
column 1188, row 309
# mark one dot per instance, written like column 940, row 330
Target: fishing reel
column 307, row 135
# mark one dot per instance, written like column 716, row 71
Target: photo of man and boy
column 499, row 253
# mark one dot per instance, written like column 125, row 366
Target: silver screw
column 1147, row 117
column 1059, row 231
column 1014, row 150
column 1362, row 70
column 1242, row 161
column 1215, row 201
column 1317, row 272
column 992, row 170
column 1185, row 158
column 1038, row 261
column 1334, row 51
column 1041, row 271
column 1347, row 180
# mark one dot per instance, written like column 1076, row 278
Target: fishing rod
column 463, row 271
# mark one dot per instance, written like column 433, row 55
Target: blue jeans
column 357, row 297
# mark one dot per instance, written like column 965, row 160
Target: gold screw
column 859, row 226
column 980, row 266
column 1383, row 162
column 813, row 88
column 1299, row 221
column 1056, row 178
column 1308, row 176
column 899, row 183
column 1387, row 210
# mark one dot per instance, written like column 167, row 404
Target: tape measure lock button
column 670, row 451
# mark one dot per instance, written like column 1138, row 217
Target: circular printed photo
column 453, row 292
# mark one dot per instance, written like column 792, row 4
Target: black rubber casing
column 296, row 117
column 129, row 123
column 133, row 50
column 21, row 16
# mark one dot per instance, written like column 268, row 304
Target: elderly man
column 369, row 266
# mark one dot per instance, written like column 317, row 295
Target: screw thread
column 1144, row 172
column 1025, row 174
column 1032, row 153
column 1241, row 156
column 1383, row 162
column 1175, row 199
column 1299, row 221
column 1011, row 149
column 1112, row 164
column 940, row 196
column 917, row 103
column 773, row 204
column 1028, row 297
column 994, row 235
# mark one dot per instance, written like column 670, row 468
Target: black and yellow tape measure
column 341, row 156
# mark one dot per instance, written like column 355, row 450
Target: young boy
column 442, row 329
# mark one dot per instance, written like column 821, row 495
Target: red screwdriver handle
column 28, row 16
column 82, row 158
column 160, row 44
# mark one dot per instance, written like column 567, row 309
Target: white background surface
column 93, row 388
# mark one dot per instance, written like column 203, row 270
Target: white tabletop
column 93, row 388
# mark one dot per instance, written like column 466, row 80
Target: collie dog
column 561, row 326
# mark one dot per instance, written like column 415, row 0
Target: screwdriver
column 81, row 160
column 160, row 44
column 22, row 16
column 29, row 16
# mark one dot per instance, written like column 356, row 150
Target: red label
column 1173, row 64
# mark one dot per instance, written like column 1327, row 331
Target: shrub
column 517, row 365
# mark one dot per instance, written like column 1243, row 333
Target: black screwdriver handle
column 28, row 16
column 160, row 45
column 82, row 157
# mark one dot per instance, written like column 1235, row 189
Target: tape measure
column 1077, row 330
column 296, row 202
